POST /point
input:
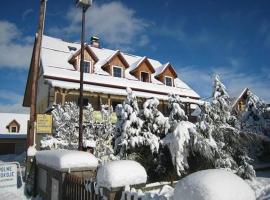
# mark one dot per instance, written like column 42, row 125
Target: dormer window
column 168, row 81
column 117, row 71
column 13, row 127
column 145, row 77
column 86, row 66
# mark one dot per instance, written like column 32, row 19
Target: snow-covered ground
column 261, row 185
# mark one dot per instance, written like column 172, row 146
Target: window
column 86, row 66
column 85, row 101
column 117, row 71
column 13, row 129
column 168, row 81
column 145, row 77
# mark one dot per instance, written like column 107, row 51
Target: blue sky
column 231, row 38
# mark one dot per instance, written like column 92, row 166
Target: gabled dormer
column 13, row 127
column 115, row 64
column 90, row 59
column 166, row 74
column 142, row 69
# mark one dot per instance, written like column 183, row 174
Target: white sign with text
column 8, row 176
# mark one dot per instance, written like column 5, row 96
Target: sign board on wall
column 44, row 123
column 8, row 176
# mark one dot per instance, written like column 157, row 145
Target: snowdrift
column 213, row 184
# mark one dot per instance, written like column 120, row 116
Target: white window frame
column 148, row 76
column 115, row 66
column 90, row 66
column 166, row 82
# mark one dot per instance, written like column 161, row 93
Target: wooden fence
column 74, row 188
column 78, row 188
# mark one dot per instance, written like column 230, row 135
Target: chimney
column 95, row 42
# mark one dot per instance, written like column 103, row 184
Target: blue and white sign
column 8, row 176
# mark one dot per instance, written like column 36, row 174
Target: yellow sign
column 44, row 123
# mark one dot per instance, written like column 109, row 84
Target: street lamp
column 84, row 5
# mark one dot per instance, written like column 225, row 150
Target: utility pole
column 35, row 71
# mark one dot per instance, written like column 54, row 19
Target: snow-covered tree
column 254, row 117
column 65, row 127
column 178, row 138
column 65, row 131
column 214, row 142
column 128, row 126
column 153, row 120
column 220, row 135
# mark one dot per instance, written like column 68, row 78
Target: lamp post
column 84, row 5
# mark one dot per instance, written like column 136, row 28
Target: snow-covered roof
column 121, row 173
column 13, row 136
column 56, row 53
column 65, row 160
column 6, row 118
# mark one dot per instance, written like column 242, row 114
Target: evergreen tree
column 220, row 131
column 128, row 126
